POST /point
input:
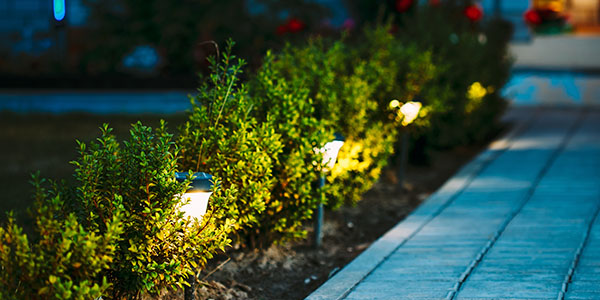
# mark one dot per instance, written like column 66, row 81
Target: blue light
column 59, row 9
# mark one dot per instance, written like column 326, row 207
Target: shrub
column 395, row 70
column 65, row 260
column 160, row 247
column 467, row 54
column 385, row 69
column 222, row 138
column 495, row 72
column 286, row 105
column 351, row 87
column 343, row 102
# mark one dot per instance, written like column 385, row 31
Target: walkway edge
column 340, row 285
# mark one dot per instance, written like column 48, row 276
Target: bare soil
column 292, row 271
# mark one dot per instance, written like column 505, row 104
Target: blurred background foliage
column 177, row 29
column 155, row 43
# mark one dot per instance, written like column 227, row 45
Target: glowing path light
column 59, row 9
column 408, row 113
column 198, row 194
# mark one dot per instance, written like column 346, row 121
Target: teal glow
column 59, row 9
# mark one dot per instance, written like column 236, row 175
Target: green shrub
column 343, row 102
column 160, row 247
column 351, row 86
column 388, row 70
column 65, row 260
column 359, row 164
column 395, row 70
column 286, row 105
column 495, row 72
column 468, row 56
column 223, row 138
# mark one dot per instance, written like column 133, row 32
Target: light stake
column 198, row 193
column 330, row 152
column 409, row 112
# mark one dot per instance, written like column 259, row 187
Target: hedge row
column 119, row 232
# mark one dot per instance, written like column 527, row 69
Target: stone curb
column 342, row 283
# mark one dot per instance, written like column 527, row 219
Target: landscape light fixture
column 58, row 7
column 330, row 152
column 409, row 112
column 198, row 193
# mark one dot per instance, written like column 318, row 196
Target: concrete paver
column 519, row 226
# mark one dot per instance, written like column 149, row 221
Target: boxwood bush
column 473, row 66
column 223, row 138
column 159, row 247
column 396, row 71
column 285, row 104
column 119, row 231
column 350, row 87
column 343, row 101
column 64, row 258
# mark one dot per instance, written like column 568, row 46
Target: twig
column 215, row 269
column 226, row 97
column 213, row 43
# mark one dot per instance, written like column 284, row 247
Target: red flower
column 295, row 25
column 291, row 26
column 532, row 17
column 349, row 24
column 403, row 5
column 474, row 12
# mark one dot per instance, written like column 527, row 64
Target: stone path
column 553, row 88
column 518, row 222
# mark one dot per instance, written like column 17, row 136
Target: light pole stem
column 497, row 9
column 188, row 291
column 402, row 159
column 319, row 217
